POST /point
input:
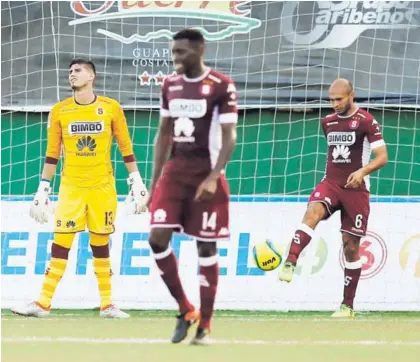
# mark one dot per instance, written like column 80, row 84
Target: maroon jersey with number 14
column 197, row 108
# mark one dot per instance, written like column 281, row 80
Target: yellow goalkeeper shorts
column 94, row 207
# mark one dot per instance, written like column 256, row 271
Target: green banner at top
column 278, row 53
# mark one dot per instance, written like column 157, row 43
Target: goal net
column 283, row 56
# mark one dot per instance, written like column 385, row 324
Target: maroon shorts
column 353, row 203
column 173, row 206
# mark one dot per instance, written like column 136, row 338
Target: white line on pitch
column 216, row 341
column 360, row 319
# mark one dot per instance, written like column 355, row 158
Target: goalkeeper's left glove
column 138, row 193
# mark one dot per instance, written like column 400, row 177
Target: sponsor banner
column 279, row 53
column 390, row 253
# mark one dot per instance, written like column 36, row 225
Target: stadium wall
column 390, row 255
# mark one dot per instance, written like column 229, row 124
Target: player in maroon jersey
column 189, row 192
column 352, row 133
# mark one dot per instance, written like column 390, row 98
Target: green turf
column 312, row 336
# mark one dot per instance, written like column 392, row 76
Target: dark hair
column 190, row 34
column 85, row 62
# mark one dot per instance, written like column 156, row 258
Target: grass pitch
column 69, row 336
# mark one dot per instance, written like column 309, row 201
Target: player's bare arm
column 162, row 148
column 48, row 171
column 132, row 167
column 208, row 187
column 380, row 160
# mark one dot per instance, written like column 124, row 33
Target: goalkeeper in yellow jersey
column 83, row 127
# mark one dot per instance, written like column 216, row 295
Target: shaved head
column 342, row 85
column 341, row 95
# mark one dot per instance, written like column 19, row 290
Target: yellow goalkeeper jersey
column 85, row 134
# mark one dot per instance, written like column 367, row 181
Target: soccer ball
column 267, row 255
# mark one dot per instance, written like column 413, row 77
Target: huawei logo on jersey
column 341, row 154
column 183, row 130
column 86, row 146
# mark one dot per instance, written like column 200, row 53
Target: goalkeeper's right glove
column 40, row 205
column 137, row 195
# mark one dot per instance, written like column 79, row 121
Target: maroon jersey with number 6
column 350, row 142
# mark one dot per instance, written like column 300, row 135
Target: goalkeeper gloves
column 138, row 193
column 40, row 206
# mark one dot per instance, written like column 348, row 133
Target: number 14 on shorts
column 209, row 221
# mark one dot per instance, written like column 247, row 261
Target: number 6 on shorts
column 358, row 221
